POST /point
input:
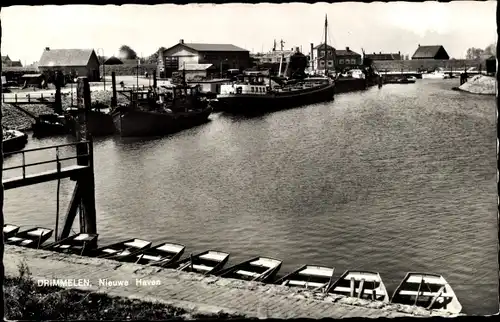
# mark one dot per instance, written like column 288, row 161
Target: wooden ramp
column 40, row 177
column 58, row 172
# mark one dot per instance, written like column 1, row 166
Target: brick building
column 221, row 56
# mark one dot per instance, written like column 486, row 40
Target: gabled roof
column 384, row 56
column 65, row 57
column 323, row 46
column 210, row 47
column 427, row 51
column 5, row 58
column 196, row 67
column 342, row 52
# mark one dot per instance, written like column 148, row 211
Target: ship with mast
column 161, row 110
column 259, row 92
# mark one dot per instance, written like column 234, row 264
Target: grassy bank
column 27, row 301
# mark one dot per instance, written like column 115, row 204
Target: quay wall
column 197, row 293
column 427, row 64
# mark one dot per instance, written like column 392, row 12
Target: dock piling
column 114, row 101
column 58, row 101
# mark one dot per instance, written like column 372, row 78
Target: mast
column 326, row 49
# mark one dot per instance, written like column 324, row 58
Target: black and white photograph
column 229, row 161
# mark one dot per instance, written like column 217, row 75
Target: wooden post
column 58, row 101
column 114, row 101
column 83, row 149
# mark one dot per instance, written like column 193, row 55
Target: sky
column 375, row 27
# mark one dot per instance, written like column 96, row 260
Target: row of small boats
column 420, row 289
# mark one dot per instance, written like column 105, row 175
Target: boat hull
column 15, row 143
column 138, row 123
column 98, row 123
column 249, row 104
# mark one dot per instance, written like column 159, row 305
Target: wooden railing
column 57, row 160
column 28, row 98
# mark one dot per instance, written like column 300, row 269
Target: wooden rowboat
column 78, row 244
column 124, row 250
column 260, row 269
column 204, row 263
column 309, row 277
column 361, row 284
column 160, row 255
column 32, row 238
column 427, row 290
column 9, row 231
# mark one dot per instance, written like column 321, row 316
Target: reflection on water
column 395, row 179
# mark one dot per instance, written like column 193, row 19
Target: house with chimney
column 436, row 52
column 335, row 58
column 71, row 62
column 220, row 57
column 7, row 62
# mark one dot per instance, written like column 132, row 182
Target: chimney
column 380, row 53
column 399, row 53
column 47, row 48
column 297, row 49
column 347, row 48
column 418, row 45
column 181, row 41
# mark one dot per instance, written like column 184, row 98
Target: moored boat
column 9, row 231
column 13, row 140
column 99, row 123
column 204, row 263
column 361, row 284
column 160, row 255
column 122, row 251
column 162, row 111
column 255, row 94
column 32, row 238
column 259, row 269
column 50, row 124
column 309, row 277
column 78, row 244
column 434, row 75
column 431, row 291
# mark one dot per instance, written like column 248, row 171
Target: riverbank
column 480, row 84
column 193, row 293
column 15, row 119
column 25, row 300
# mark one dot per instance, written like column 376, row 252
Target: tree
column 127, row 53
column 474, row 53
column 491, row 50
column 153, row 58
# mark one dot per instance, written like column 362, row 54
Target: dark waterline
column 396, row 179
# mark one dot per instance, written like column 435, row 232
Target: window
column 322, row 63
column 353, row 61
column 341, row 61
column 252, row 89
column 330, row 63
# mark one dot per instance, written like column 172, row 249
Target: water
column 396, row 179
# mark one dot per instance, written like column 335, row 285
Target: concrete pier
column 196, row 293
